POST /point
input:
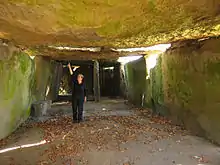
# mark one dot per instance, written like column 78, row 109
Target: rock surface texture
column 23, row 80
column 115, row 23
column 184, row 84
column 16, row 72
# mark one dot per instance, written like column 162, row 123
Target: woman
column 78, row 95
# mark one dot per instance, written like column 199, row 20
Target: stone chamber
column 153, row 54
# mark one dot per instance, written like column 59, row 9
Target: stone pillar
column 96, row 84
column 58, row 79
column 123, row 85
column 53, row 77
column 117, row 80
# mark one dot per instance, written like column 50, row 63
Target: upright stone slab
column 96, row 81
column 16, row 75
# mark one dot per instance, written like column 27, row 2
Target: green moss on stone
column 23, row 81
column 184, row 84
column 136, row 77
column 191, row 81
column 24, row 63
column 15, row 96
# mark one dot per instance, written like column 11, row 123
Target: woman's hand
column 70, row 69
column 85, row 99
column 69, row 65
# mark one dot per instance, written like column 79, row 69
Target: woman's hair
column 80, row 75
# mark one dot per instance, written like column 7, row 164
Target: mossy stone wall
column 16, row 80
column 23, row 81
column 145, row 89
column 183, row 85
column 191, row 82
column 46, row 78
column 155, row 89
column 135, row 75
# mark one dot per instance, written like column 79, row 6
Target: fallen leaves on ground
column 201, row 159
column 101, row 132
column 68, row 139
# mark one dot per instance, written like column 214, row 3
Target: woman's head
column 80, row 78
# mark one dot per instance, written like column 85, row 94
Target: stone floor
column 113, row 134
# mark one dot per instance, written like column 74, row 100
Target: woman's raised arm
column 70, row 69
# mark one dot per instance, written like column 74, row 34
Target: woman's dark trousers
column 77, row 106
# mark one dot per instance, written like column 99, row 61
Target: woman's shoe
column 75, row 121
column 82, row 120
